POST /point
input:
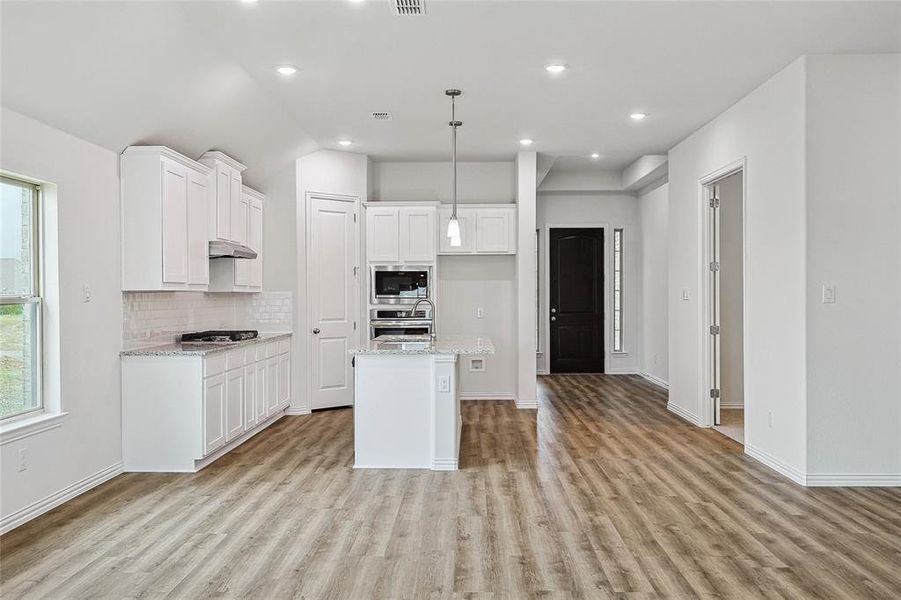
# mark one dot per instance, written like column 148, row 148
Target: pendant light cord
column 454, row 123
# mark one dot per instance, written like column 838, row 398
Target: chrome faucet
column 432, row 333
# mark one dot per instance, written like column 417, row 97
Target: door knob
column 316, row 331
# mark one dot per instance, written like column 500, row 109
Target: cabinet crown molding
column 169, row 153
column 252, row 193
column 401, row 203
column 211, row 155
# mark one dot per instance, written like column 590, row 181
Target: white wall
column 433, row 181
column 280, row 254
column 326, row 172
column 767, row 129
column 86, row 385
column 613, row 210
column 466, row 283
column 853, row 223
column 731, row 296
column 653, row 207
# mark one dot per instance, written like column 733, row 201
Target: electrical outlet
column 23, row 459
column 85, row 292
column 479, row 313
column 444, row 383
column 770, row 418
column 828, row 294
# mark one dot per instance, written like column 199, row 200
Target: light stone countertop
column 178, row 349
column 443, row 344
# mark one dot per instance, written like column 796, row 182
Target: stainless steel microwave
column 396, row 284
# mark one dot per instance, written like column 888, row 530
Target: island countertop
column 443, row 344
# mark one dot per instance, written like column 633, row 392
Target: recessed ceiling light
column 356, row 1
column 595, row 155
column 555, row 68
column 637, row 116
column 286, row 69
column 345, row 142
column 248, row 1
column 525, row 142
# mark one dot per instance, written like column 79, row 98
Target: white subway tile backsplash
column 153, row 318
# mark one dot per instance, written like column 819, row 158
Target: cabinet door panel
column 284, row 379
column 256, row 242
column 238, row 217
column 271, row 386
column 250, row 409
column 493, row 230
column 223, row 202
column 466, row 219
column 260, row 391
column 382, row 235
column 175, row 222
column 234, row 404
column 198, row 244
column 417, row 234
column 213, row 413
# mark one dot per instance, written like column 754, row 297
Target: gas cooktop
column 219, row 337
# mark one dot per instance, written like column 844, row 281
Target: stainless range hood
column 222, row 249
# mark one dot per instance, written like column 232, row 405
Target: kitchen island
column 406, row 402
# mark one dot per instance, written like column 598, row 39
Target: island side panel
column 446, row 415
column 393, row 411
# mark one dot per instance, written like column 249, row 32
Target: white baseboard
column 777, row 465
column 853, row 480
column 296, row 411
column 691, row 418
column 36, row 509
column 526, row 405
column 621, row 372
column 486, row 396
column 445, row 464
column 542, row 372
column 655, row 380
column 732, row 406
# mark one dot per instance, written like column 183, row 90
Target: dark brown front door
column 577, row 300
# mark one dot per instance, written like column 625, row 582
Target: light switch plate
column 443, row 383
column 686, row 295
column 828, row 294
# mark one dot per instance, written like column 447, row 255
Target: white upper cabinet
column 243, row 274
column 382, row 234
column 164, row 209
column 484, row 229
column 417, row 234
column 466, row 218
column 229, row 221
column 401, row 234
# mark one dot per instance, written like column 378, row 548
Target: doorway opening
column 576, row 300
column 725, row 206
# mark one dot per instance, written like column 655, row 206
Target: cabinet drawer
column 284, row 346
column 214, row 364
column 234, row 359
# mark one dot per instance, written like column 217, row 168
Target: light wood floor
column 602, row 494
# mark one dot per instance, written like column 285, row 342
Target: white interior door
column 332, row 297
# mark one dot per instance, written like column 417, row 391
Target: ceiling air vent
column 409, row 8
column 381, row 116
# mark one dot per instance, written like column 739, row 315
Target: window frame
column 618, row 334
column 34, row 299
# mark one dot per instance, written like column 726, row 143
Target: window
column 20, row 299
column 617, row 290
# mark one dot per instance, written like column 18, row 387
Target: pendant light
column 453, row 225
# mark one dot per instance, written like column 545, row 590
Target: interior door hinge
column 714, row 330
column 356, row 270
column 714, row 203
column 355, row 217
column 355, row 325
column 714, row 266
column 715, row 393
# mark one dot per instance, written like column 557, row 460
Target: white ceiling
column 199, row 75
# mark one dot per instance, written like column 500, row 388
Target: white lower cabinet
column 181, row 411
column 213, row 413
